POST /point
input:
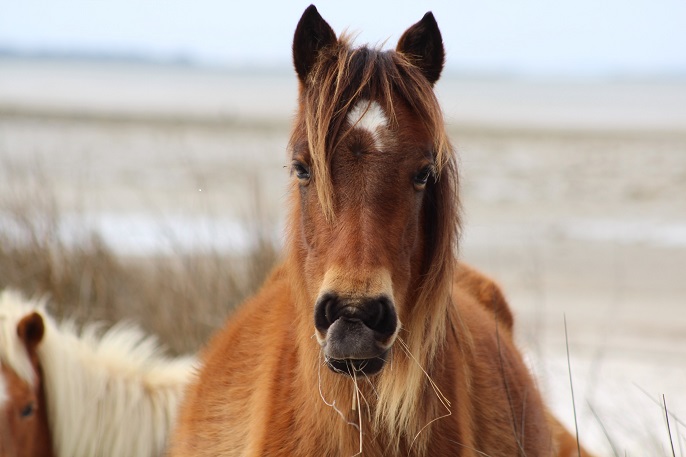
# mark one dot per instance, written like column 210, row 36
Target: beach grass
column 181, row 296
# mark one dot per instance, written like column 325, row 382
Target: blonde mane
column 3, row 390
column 108, row 393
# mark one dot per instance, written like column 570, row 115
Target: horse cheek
column 314, row 235
column 412, row 253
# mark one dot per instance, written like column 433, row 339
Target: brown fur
column 24, row 430
column 455, row 383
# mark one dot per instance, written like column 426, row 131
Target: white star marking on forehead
column 368, row 116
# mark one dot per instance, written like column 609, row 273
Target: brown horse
column 370, row 337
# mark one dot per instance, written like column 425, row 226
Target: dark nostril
column 379, row 313
column 382, row 317
column 376, row 313
column 371, row 312
column 325, row 311
column 331, row 311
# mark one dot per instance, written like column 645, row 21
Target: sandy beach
column 574, row 197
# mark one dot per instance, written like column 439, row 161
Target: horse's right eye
column 301, row 171
column 421, row 178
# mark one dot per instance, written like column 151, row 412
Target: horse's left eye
column 28, row 410
column 301, row 171
column 421, row 178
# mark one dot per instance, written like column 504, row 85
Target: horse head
column 374, row 217
column 24, row 427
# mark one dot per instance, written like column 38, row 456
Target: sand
column 574, row 200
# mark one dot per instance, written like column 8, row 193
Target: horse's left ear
column 30, row 331
column 423, row 45
column 312, row 35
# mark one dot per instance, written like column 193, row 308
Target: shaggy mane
column 3, row 392
column 107, row 393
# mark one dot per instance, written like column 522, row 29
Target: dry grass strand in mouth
column 442, row 398
column 356, row 403
column 331, row 404
column 358, row 396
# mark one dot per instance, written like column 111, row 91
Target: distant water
column 114, row 88
column 148, row 234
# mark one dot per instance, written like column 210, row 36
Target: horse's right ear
column 423, row 46
column 311, row 36
column 30, row 331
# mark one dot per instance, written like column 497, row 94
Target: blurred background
column 142, row 154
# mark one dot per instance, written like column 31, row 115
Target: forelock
column 344, row 75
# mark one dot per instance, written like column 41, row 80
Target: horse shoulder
column 507, row 411
column 486, row 292
column 224, row 408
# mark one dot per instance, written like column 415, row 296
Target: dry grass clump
column 182, row 298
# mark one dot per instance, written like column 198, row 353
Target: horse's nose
column 376, row 313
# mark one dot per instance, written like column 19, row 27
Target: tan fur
column 359, row 282
column 455, row 384
column 259, row 392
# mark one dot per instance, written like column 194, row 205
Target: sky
column 536, row 38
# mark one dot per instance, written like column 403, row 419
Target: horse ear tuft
column 422, row 44
column 312, row 35
column 30, row 330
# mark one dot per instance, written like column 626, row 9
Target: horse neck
column 106, row 395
